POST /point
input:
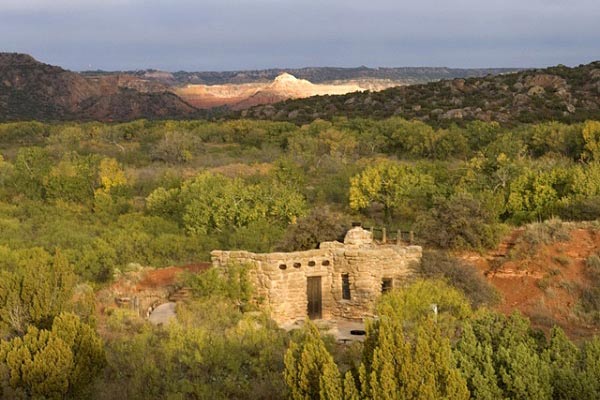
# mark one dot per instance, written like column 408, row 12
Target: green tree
column 475, row 361
column 423, row 299
column 72, row 179
column 310, row 372
column 393, row 368
column 87, row 348
column 591, row 141
column 391, row 185
column 319, row 226
column 589, row 364
column 522, row 371
column 350, row 390
column 460, row 222
column 35, row 366
column 563, row 356
column 212, row 202
column 31, row 168
column 51, row 364
column 35, row 293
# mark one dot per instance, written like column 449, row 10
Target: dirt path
column 163, row 314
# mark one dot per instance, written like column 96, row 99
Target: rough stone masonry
column 336, row 281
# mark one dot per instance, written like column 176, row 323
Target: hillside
column 34, row 90
column 557, row 93
column 548, row 272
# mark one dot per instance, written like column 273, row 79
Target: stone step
column 181, row 294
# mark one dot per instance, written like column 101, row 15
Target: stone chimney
column 357, row 236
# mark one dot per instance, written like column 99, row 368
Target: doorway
column 313, row 293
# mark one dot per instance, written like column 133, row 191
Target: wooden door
column 313, row 293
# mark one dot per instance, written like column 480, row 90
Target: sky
column 205, row 35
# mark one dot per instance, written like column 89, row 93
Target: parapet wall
column 280, row 279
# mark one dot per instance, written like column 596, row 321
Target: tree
column 35, row 366
column 460, row 274
column 415, row 303
column 72, row 179
column 389, row 184
column 589, row 363
column 35, row 293
column 521, row 370
column 460, row 222
column 475, row 361
column 32, row 166
column 350, row 390
column 175, row 147
column 591, row 141
column 537, row 194
column 87, row 348
column 310, row 371
column 111, row 175
column 214, row 203
column 6, row 170
column 51, row 364
column 319, row 226
column 563, row 356
column 415, row 367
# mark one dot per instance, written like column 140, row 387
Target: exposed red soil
column 543, row 283
column 167, row 276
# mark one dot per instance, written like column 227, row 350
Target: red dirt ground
column 167, row 276
column 546, row 284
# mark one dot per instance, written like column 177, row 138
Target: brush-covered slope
column 549, row 272
column 556, row 93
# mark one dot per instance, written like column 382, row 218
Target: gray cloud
column 238, row 34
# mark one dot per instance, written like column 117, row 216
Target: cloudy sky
column 247, row 34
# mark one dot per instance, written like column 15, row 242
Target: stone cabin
column 335, row 281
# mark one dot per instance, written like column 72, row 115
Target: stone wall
column 280, row 279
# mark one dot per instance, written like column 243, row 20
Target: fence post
column 411, row 237
column 399, row 238
column 384, row 235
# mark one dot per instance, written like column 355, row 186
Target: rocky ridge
column 556, row 93
column 33, row 90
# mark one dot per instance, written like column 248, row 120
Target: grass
column 547, row 232
column 593, row 264
column 538, row 234
column 543, row 283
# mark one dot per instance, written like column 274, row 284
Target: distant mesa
column 284, row 86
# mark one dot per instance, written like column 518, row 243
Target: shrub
column 460, row 274
column 562, row 260
column 231, row 282
column 590, row 299
column 550, row 231
column 593, row 266
column 543, row 283
column 460, row 222
column 319, row 226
